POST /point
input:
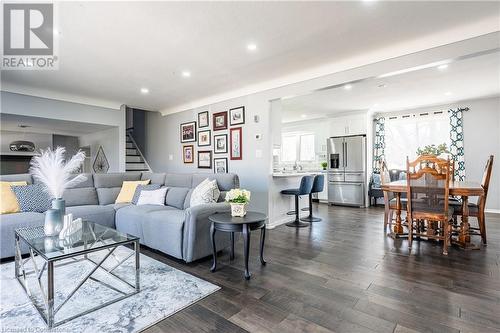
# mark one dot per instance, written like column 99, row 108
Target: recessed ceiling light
column 448, row 93
column 348, row 87
column 442, row 67
column 252, row 47
column 303, row 116
column 382, row 85
column 144, row 91
column 186, row 74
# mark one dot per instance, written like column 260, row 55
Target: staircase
column 134, row 160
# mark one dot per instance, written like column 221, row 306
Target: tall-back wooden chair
column 477, row 209
column 428, row 187
column 390, row 204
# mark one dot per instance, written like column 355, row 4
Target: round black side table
column 226, row 222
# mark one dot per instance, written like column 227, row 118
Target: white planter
column 238, row 209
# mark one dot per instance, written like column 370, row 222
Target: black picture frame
column 216, row 168
column 203, row 119
column 209, row 135
column 186, row 137
column 204, row 159
column 217, row 150
column 239, row 114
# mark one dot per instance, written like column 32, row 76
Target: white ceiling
column 11, row 122
column 109, row 50
column 464, row 79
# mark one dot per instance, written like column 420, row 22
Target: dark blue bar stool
column 306, row 184
column 318, row 184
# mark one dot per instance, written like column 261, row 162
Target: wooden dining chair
column 428, row 187
column 389, row 197
column 477, row 209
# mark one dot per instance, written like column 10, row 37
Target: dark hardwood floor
column 345, row 275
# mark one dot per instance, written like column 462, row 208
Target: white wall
column 163, row 139
column 26, row 105
column 109, row 140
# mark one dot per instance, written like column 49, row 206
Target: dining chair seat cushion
column 291, row 191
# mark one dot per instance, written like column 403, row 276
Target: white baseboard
column 493, row 211
column 282, row 220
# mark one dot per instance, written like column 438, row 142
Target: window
column 404, row 135
column 306, row 151
column 289, row 148
column 297, row 147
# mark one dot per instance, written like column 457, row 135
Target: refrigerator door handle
column 345, row 152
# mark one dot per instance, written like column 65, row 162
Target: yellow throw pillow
column 128, row 189
column 8, row 200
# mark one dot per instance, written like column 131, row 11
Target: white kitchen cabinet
column 348, row 125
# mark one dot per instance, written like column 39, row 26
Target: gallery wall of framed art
column 219, row 136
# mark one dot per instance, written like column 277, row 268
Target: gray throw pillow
column 32, row 198
column 140, row 188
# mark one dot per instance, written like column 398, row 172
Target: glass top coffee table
column 93, row 245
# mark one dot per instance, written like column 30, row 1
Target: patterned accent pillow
column 140, row 188
column 32, row 198
column 206, row 192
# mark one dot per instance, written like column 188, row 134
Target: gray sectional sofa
column 175, row 229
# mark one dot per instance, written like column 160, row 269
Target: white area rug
column 164, row 291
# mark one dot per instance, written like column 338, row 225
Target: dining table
column 458, row 188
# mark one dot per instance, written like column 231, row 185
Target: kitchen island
column 280, row 204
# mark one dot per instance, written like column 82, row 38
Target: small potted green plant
column 239, row 200
column 324, row 165
column 433, row 150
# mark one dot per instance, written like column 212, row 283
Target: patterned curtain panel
column 379, row 144
column 457, row 141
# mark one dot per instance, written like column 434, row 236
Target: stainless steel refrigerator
column 347, row 170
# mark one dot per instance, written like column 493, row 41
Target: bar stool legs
column 296, row 223
column 310, row 218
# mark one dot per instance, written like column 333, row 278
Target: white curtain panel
column 405, row 134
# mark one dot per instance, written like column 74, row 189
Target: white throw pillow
column 206, row 192
column 154, row 197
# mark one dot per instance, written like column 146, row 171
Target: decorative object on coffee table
column 237, row 116
column 188, row 132
column 236, row 143
column 101, row 164
column 51, row 169
column 203, row 119
column 52, row 225
column 238, row 199
column 205, row 159
column 226, row 222
column 220, row 121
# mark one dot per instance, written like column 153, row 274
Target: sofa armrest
column 196, row 243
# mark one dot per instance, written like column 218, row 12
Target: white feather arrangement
column 51, row 170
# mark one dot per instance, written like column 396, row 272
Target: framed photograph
column 220, row 165
column 220, row 121
column 237, row 116
column 220, row 144
column 188, row 154
column 188, row 132
column 236, row 143
column 205, row 159
column 203, row 119
column 204, row 138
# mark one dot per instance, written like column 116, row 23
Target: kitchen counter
column 297, row 173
